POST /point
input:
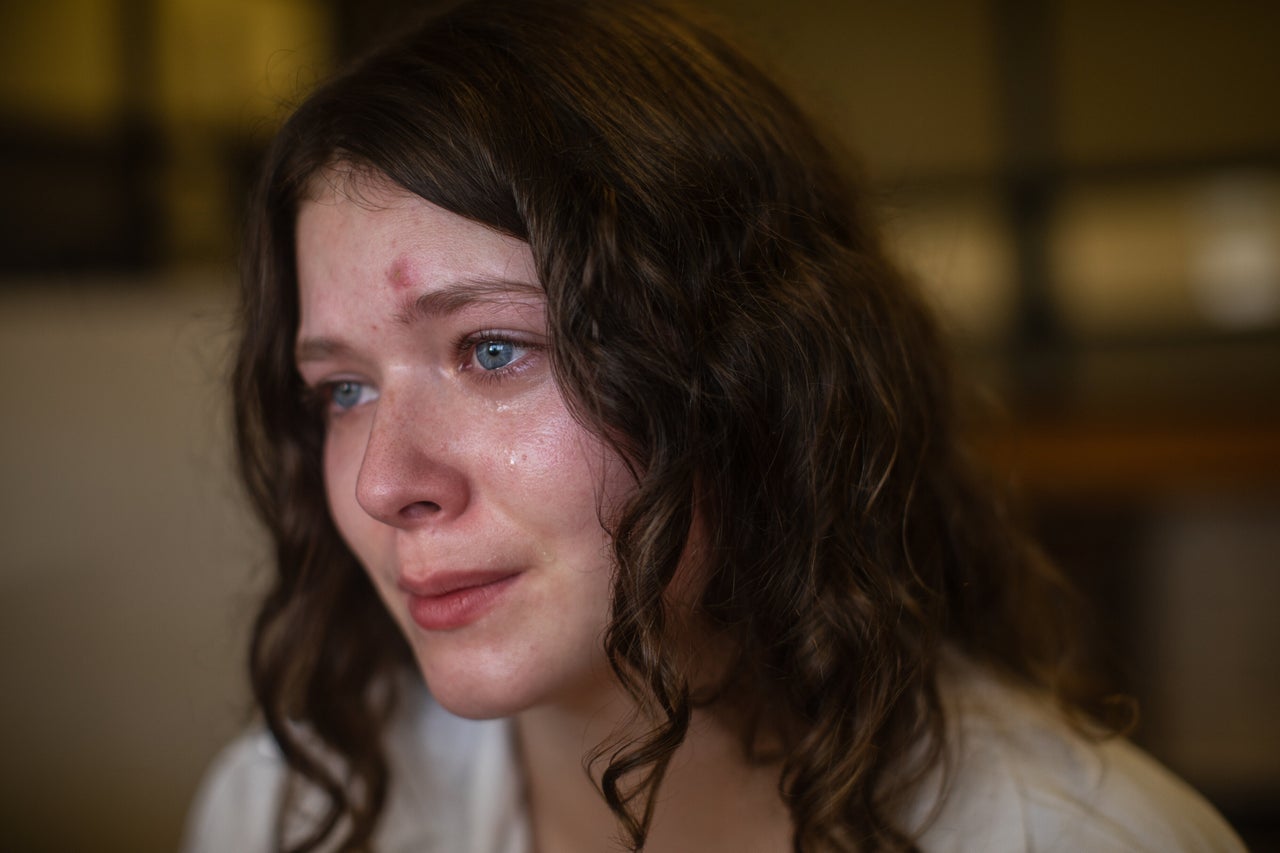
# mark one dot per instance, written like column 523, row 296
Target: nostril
column 420, row 510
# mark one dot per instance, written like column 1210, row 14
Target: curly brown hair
column 722, row 314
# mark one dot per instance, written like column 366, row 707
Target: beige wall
column 125, row 560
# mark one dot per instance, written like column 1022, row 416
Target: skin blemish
column 400, row 274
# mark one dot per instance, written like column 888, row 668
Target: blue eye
column 494, row 355
column 346, row 395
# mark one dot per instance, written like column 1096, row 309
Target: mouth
column 452, row 600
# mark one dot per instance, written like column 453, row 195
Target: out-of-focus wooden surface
column 1085, row 457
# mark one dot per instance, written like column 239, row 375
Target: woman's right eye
column 346, row 394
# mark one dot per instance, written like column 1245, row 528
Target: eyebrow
column 454, row 297
column 319, row 349
column 434, row 304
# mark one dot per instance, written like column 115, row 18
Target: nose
column 409, row 476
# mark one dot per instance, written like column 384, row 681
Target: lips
column 447, row 601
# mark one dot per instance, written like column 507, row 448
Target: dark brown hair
column 721, row 312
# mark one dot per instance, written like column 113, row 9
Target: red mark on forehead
column 400, row 274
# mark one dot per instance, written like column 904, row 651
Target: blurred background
column 1088, row 191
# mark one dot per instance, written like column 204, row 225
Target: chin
column 483, row 688
column 471, row 694
column 479, row 689
column 475, row 704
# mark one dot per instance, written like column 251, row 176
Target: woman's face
column 453, row 469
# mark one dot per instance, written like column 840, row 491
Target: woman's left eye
column 496, row 354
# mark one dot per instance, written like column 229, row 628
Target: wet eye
column 494, row 355
column 347, row 394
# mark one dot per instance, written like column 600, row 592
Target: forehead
column 362, row 235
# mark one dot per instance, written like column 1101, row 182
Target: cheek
column 343, row 450
column 566, row 477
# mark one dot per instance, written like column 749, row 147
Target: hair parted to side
column 722, row 314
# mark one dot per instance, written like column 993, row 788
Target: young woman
column 614, row 485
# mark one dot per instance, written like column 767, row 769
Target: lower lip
column 458, row 608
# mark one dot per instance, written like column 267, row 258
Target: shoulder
column 454, row 788
column 236, row 805
column 1020, row 777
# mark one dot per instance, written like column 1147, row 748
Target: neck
column 711, row 799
